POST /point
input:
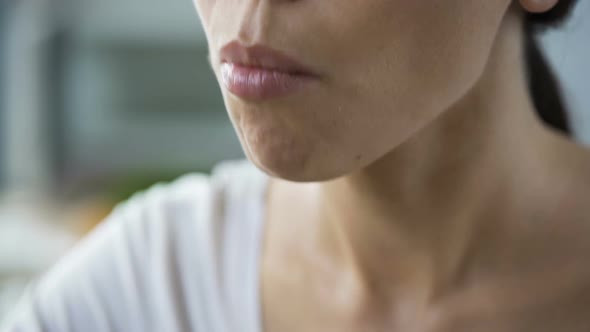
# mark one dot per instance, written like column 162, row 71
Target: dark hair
column 543, row 83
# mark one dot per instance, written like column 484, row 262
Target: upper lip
column 264, row 57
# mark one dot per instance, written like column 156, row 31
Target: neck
column 412, row 217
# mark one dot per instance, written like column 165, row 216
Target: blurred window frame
column 5, row 9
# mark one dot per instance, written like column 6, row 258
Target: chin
column 292, row 162
column 296, row 166
column 294, row 143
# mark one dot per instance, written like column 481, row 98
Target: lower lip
column 258, row 84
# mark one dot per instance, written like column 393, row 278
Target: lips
column 259, row 72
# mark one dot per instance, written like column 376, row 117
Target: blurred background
column 102, row 98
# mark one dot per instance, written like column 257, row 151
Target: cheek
column 416, row 49
column 396, row 66
column 405, row 67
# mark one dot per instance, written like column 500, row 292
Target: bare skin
column 479, row 222
column 428, row 195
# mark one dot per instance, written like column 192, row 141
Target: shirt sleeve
column 124, row 276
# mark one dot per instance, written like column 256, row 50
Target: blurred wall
column 3, row 12
column 95, row 96
column 141, row 95
column 24, row 97
column 569, row 51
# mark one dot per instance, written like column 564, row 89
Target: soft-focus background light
column 102, row 98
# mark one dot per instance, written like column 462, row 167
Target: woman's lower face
column 379, row 70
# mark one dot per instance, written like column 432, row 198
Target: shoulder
column 160, row 249
column 191, row 204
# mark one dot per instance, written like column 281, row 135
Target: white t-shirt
column 180, row 257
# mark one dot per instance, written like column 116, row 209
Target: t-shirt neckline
column 263, row 184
